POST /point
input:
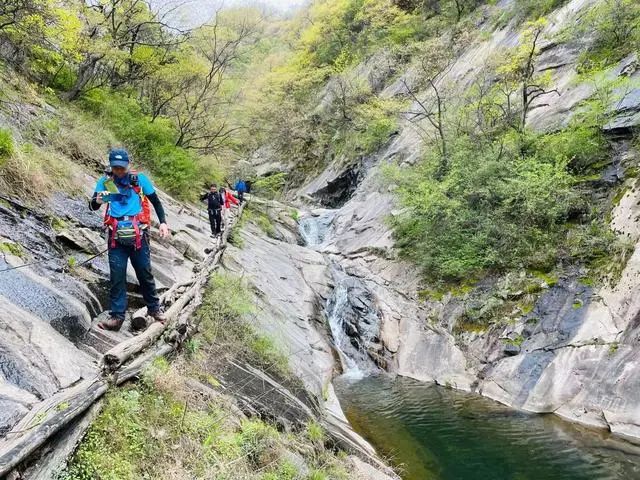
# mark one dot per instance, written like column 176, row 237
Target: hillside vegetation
column 119, row 72
column 333, row 84
column 489, row 193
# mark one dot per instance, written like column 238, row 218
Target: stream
column 431, row 432
column 434, row 433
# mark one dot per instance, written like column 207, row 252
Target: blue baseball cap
column 119, row 157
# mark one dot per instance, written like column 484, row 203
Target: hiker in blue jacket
column 127, row 195
column 241, row 188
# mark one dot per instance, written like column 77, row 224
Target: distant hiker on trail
column 241, row 188
column 215, row 202
column 227, row 200
column 127, row 195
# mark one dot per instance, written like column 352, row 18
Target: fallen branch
column 166, row 297
column 47, row 418
column 62, row 446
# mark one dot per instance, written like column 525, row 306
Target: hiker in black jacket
column 215, row 203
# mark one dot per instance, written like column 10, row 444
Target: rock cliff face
column 576, row 354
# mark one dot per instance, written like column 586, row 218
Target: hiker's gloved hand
column 164, row 230
column 99, row 199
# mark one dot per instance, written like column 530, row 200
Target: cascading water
column 314, row 227
column 352, row 318
column 354, row 322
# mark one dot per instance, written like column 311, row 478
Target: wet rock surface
column 289, row 281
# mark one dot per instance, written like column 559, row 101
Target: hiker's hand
column 164, row 230
column 99, row 199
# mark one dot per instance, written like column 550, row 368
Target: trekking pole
column 84, row 262
column 63, row 269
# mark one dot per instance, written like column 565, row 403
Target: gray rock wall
column 580, row 358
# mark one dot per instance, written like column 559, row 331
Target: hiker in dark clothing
column 215, row 203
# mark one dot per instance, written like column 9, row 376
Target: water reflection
column 442, row 434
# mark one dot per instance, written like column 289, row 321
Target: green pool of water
column 431, row 432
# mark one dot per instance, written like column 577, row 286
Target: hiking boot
column 158, row 316
column 114, row 324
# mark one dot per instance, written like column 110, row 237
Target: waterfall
column 315, row 226
column 350, row 311
column 354, row 322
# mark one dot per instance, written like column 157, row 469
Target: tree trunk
column 86, row 72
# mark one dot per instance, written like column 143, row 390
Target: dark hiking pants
column 215, row 219
column 141, row 262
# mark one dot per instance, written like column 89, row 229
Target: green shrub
column 615, row 24
column 534, row 9
column 315, row 433
column 583, row 146
column 271, row 186
column 7, row 146
column 372, row 124
column 12, row 249
column 223, row 321
column 493, row 210
column 151, row 143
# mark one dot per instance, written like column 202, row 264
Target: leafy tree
column 124, row 41
column 201, row 97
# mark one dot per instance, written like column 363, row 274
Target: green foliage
column 522, row 10
column 192, row 347
column 499, row 197
column 259, row 216
column 493, row 210
column 315, row 433
column 136, row 434
column 344, row 30
column 617, row 33
column 582, row 145
column 152, row 143
column 285, row 471
column 516, row 342
column 235, row 238
column 6, row 144
column 317, row 475
column 12, row 249
column 370, row 128
column 271, row 186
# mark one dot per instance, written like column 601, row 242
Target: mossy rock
column 12, row 248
